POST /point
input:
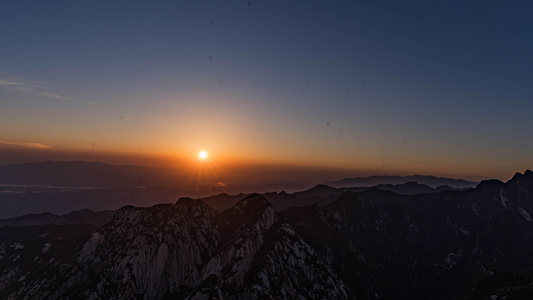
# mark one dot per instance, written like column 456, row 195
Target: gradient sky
column 431, row 87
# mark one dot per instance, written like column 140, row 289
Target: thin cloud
column 27, row 145
column 56, row 96
column 35, row 88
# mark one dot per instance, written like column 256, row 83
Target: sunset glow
column 350, row 88
column 266, row 149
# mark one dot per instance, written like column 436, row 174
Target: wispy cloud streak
column 35, row 88
column 27, row 145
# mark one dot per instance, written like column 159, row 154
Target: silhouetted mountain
column 280, row 201
column 473, row 244
column 321, row 190
column 431, row 181
column 62, row 187
column 430, row 245
column 223, row 201
column 81, row 216
column 408, row 188
column 18, row 201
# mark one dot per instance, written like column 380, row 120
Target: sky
column 374, row 87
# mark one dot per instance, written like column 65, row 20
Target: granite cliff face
column 374, row 244
column 186, row 250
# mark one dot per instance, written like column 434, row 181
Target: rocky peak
column 195, row 207
column 526, row 178
column 171, row 248
column 489, row 186
column 252, row 211
column 247, row 212
column 252, row 202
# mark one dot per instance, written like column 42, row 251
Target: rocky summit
column 374, row 244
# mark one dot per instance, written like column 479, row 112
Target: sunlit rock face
column 171, row 249
column 369, row 245
column 185, row 250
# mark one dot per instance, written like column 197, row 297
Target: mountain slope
column 187, row 250
column 431, row 244
column 365, row 245
column 81, row 216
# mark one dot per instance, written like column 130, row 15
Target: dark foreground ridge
column 473, row 244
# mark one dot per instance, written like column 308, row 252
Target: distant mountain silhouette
column 430, row 181
column 408, row 188
column 222, row 201
column 280, row 201
column 65, row 186
column 83, row 216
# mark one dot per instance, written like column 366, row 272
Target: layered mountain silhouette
column 321, row 195
column 473, row 244
column 97, row 174
column 428, row 180
column 80, row 216
column 408, row 188
column 66, row 186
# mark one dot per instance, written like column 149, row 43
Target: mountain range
column 370, row 244
column 97, row 174
column 62, row 187
column 408, row 188
column 428, row 180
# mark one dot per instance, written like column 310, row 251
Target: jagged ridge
column 369, row 245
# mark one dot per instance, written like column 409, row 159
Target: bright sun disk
column 202, row 154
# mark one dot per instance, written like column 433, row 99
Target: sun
column 202, row 155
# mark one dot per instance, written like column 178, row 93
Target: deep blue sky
column 441, row 87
